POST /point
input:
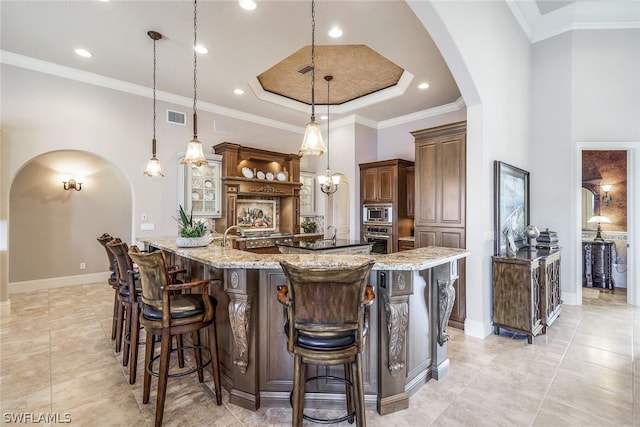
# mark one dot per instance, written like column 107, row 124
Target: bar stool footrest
column 206, row 361
column 350, row 416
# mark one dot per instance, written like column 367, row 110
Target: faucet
column 224, row 236
column 333, row 237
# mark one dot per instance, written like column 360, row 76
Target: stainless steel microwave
column 380, row 213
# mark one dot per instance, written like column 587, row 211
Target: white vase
column 193, row 242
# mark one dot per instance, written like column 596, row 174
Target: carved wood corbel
column 397, row 316
column 446, row 298
column 240, row 318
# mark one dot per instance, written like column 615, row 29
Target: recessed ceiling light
column 84, row 53
column 201, row 49
column 423, row 86
column 238, row 91
column 324, row 117
column 335, row 32
column 247, row 4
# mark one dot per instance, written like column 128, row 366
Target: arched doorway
column 52, row 231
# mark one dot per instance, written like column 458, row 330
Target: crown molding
column 50, row 68
column 580, row 15
column 457, row 105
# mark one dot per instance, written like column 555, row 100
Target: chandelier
column 312, row 142
column 328, row 182
column 153, row 166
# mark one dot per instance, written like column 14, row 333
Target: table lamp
column 599, row 219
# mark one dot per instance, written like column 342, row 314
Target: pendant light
column 312, row 142
column 153, row 167
column 328, row 183
column 194, row 154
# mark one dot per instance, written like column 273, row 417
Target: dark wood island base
column 405, row 348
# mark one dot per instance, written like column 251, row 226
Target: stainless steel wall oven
column 380, row 236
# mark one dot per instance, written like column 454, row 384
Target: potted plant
column 309, row 226
column 193, row 233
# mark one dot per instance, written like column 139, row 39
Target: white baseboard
column 57, row 282
column 477, row 329
column 570, row 298
column 5, row 307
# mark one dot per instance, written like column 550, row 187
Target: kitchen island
column 325, row 246
column 407, row 343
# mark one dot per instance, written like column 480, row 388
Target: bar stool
column 112, row 280
column 326, row 323
column 165, row 313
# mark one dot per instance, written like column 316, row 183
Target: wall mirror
column 590, row 202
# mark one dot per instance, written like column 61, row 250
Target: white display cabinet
column 199, row 187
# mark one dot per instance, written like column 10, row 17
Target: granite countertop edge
column 217, row 256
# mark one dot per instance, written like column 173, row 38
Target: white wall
column 587, row 95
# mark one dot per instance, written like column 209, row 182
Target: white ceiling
column 241, row 45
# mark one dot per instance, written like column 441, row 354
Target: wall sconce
column 606, row 198
column 69, row 183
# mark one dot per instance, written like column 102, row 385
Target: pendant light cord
column 195, row 67
column 313, row 60
column 154, row 98
column 328, row 78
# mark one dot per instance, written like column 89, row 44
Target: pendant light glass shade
column 312, row 142
column 153, row 166
column 194, row 154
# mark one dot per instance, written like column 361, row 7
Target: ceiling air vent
column 177, row 117
column 306, row 69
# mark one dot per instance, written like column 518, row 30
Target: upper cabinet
column 411, row 185
column 384, row 181
column 199, row 187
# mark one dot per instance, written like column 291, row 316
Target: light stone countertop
column 219, row 257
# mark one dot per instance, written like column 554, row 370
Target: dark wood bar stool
column 166, row 313
column 326, row 324
column 112, row 280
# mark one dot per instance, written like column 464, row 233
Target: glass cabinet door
column 307, row 193
column 199, row 187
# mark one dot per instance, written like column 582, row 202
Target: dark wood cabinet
column 597, row 260
column 385, row 181
column 526, row 291
column 411, row 184
column 405, row 245
column 440, row 198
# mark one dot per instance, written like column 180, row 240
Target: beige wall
column 53, row 230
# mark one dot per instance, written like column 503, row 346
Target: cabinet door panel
column 386, row 177
column 453, row 182
column 426, row 184
column 369, row 185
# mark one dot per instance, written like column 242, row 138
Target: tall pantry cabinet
column 440, row 198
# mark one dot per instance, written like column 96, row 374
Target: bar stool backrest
column 153, row 275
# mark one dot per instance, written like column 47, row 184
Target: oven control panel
column 377, row 230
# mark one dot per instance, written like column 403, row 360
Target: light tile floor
column 56, row 358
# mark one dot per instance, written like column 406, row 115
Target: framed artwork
column 256, row 215
column 511, row 207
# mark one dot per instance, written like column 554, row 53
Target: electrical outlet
column 83, row 266
column 143, row 217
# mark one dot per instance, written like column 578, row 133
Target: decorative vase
column 193, row 242
column 531, row 232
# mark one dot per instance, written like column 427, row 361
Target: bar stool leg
column 359, row 388
column 215, row 366
column 127, row 334
column 165, row 354
column 150, row 342
column 349, row 389
column 298, row 390
column 135, row 341
column 197, row 352
column 119, row 326
column 115, row 315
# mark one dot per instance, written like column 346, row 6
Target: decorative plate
column 260, row 175
column 281, row 176
column 195, row 196
column 247, row 172
column 269, row 176
column 195, row 183
column 208, row 195
column 208, row 184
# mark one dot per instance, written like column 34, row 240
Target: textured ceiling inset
column 357, row 71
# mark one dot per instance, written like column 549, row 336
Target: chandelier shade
column 153, row 166
column 312, row 143
column 194, row 154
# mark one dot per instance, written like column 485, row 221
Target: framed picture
column 511, row 207
column 256, row 215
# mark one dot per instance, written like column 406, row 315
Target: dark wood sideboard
column 526, row 291
column 597, row 260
